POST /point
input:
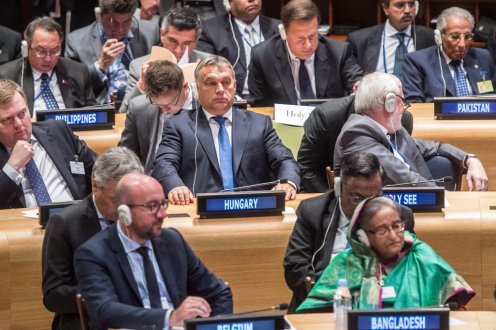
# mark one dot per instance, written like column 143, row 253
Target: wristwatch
column 467, row 157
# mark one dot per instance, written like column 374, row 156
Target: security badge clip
column 77, row 167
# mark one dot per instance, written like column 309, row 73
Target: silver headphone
column 125, row 215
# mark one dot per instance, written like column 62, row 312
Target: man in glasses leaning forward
column 452, row 68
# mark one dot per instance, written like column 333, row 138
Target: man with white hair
column 452, row 68
column 376, row 128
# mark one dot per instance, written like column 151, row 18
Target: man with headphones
column 376, row 128
column 136, row 275
column 384, row 47
column 235, row 33
column 108, row 45
column 320, row 229
column 299, row 63
column 452, row 68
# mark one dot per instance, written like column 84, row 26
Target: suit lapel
column 239, row 38
column 135, row 44
column 283, row 70
column 448, row 79
column 373, row 49
column 322, row 71
column 473, row 72
column 164, row 263
column 91, row 224
column 28, row 86
column 96, row 41
column 153, row 125
column 64, row 84
column 266, row 27
column 240, row 132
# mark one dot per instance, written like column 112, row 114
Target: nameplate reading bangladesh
column 237, row 322
column 240, row 204
column 419, row 199
column 473, row 107
column 399, row 319
column 93, row 118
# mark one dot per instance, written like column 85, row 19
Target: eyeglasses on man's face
column 457, row 36
column 152, row 207
column 41, row 52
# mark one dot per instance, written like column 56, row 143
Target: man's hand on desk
column 476, row 175
column 288, row 189
column 191, row 308
column 21, row 155
column 180, row 196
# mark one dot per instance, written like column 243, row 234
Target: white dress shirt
column 295, row 70
column 39, row 102
column 389, row 42
column 214, row 128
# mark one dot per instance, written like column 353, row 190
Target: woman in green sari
column 388, row 267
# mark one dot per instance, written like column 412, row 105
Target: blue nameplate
column 238, row 322
column 419, row 199
column 465, row 108
column 93, row 118
column 240, row 204
column 399, row 319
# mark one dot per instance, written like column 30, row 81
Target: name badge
column 485, row 86
column 388, row 292
column 77, row 167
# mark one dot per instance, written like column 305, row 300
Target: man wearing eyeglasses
column 73, row 226
column 376, row 128
column 384, row 47
column 452, row 68
column 50, row 81
column 108, row 45
column 322, row 222
column 136, row 275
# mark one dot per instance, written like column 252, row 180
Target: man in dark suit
column 108, row 45
column 376, row 128
column 50, row 82
column 300, row 64
column 219, row 146
column 320, row 230
column 233, row 35
column 41, row 162
column 166, row 94
column 73, row 226
column 137, row 275
column 383, row 47
column 10, row 44
column 453, row 68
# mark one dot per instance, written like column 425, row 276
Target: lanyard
column 384, row 48
column 44, row 89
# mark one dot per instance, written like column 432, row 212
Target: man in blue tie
column 218, row 146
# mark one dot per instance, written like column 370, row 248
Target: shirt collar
column 446, row 57
column 98, row 213
column 228, row 115
column 37, row 74
column 294, row 58
column 242, row 25
column 128, row 244
column 391, row 31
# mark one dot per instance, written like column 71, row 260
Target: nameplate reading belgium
column 83, row 118
column 473, row 107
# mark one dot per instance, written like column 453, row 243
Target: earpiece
column 417, row 7
column 24, row 49
column 390, row 102
column 437, row 37
column 194, row 91
column 98, row 14
column 125, row 215
column 337, row 187
column 227, row 5
column 362, row 237
column 282, row 32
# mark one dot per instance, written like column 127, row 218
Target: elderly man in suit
column 376, row 128
column 168, row 93
column 384, row 47
column 137, row 275
column 108, row 45
column 41, row 162
column 50, row 82
column 234, row 34
column 219, row 146
column 10, row 44
column 452, row 68
column 180, row 31
column 73, row 226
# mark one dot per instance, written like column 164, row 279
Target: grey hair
column 214, row 60
column 374, row 205
column 372, row 91
column 113, row 164
column 442, row 19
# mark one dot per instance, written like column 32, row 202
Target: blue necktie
column 47, row 94
column 306, row 91
column 399, row 55
column 37, row 185
column 151, row 278
column 225, row 154
column 461, row 86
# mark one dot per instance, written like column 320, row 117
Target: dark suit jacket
column 217, row 38
column 72, row 77
column 61, row 145
column 111, row 293
column 422, row 75
column 258, row 153
column 10, row 44
column 366, row 44
column 314, row 215
column 65, row 232
column 85, row 45
column 166, row 5
column 271, row 81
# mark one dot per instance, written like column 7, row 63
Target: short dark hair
column 162, row 76
column 299, row 10
column 182, row 19
column 118, row 6
column 43, row 23
column 361, row 164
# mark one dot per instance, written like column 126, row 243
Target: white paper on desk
column 288, row 114
column 30, row 214
column 455, row 322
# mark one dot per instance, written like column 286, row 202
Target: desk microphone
column 258, row 185
column 414, row 184
column 280, row 307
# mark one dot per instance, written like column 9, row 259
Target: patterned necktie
column 399, row 55
column 306, row 91
column 225, row 154
column 37, row 185
column 460, row 79
column 151, row 278
column 47, row 94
